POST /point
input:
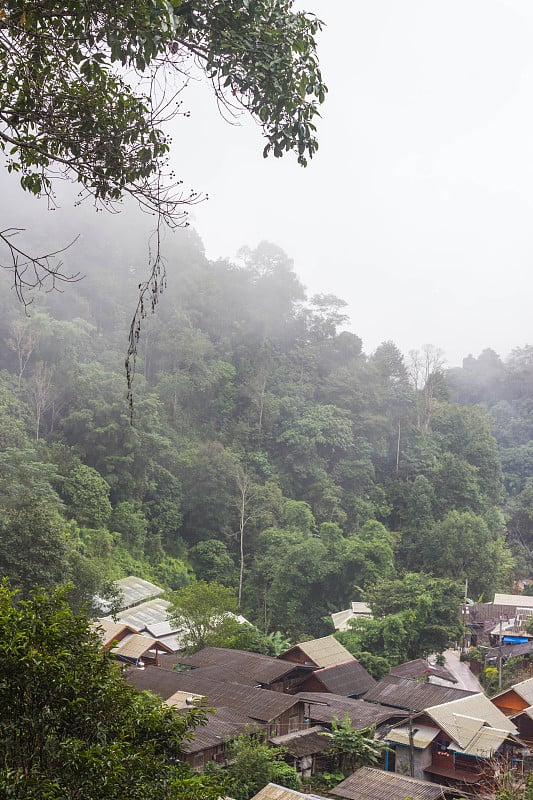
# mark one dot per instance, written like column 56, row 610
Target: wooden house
column 368, row 783
column 457, row 742
column 350, row 679
column 318, row 653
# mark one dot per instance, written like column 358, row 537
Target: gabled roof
column 463, row 719
column 325, row 707
column 415, row 695
column 274, row 792
column 419, row 668
column 324, row 652
column 375, row 784
column 137, row 645
column 255, row 667
column 524, row 689
column 303, row 743
column 484, row 743
column 349, row 679
column 263, row 705
column 146, row 614
column 223, row 724
column 109, row 630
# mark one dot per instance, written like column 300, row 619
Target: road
column 465, row 679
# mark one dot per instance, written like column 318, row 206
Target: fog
column 417, row 209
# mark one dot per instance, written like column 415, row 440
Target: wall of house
column 421, row 760
column 509, row 703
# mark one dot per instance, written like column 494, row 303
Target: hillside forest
column 268, row 452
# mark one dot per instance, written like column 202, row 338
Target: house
column 421, row 669
column 517, row 698
column 278, row 712
column 305, row 749
column 111, row 632
column 368, row 783
column 341, row 619
column 133, row 590
column 412, row 695
column 350, row 679
column 323, row 708
column 239, row 666
column 318, row 653
column 139, row 650
column 151, row 617
column 210, row 741
column 455, row 741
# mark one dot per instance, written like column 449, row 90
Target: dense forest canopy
column 269, row 453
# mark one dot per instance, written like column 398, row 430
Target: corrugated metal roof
column 324, row 652
column 260, row 704
column 515, row 600
column 109, row 630
column 524, row 689
column 484, row 744
column 182, row 699
column 146, row 614
column 136, row 645
column 419, row 668
column 346, row 679
column 303, row 743
column 324, row 707
column 415, row 695
column 223, row 724
column 375, row 784
column 462, row 719
column 423, row 735
column 135, row 590
column 255, row 667
column 274, row 792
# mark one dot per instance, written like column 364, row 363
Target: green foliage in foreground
column 70, row 727
column 253, row 764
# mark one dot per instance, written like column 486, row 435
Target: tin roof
column 303, row 743
column 421, row 667
column 463, row 719
column 108, row 630
column 137, row 645
column 515, row 600
column 263, row 705
column 422, row 735
column 348, row 679
column 222, row 725
column 274, row 792
column 376, row 784
column 324, row 707
column 324, row 652
column 136, row 590
column 255, row 667
column 146, row 614
column 484, row 744
column 415, row 695
column 524, row 689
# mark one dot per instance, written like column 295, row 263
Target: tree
column 86, row 91
column 253, row 764
column 71, row 726
column 353, row 748
column 204, row 611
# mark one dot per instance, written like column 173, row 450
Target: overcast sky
column 418, row 207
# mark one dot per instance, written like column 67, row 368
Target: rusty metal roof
column 376, row 784
column 324, row 652
column 237, row 664
column 415, row 695
column 348, row 679
column 420, row 668
column 223, row 724
column 324, row 707
column 259, row 704
column 303, row 743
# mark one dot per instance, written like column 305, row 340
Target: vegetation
column 352, row 748
column 270, row 456
column 253, row 764
column 71, row 727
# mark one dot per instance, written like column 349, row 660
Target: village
column 439, row 733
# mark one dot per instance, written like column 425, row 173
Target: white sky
column 418, row 207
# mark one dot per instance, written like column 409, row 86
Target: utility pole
column 411, row 746
column 500, row 657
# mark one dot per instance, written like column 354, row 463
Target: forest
column 268, row 452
